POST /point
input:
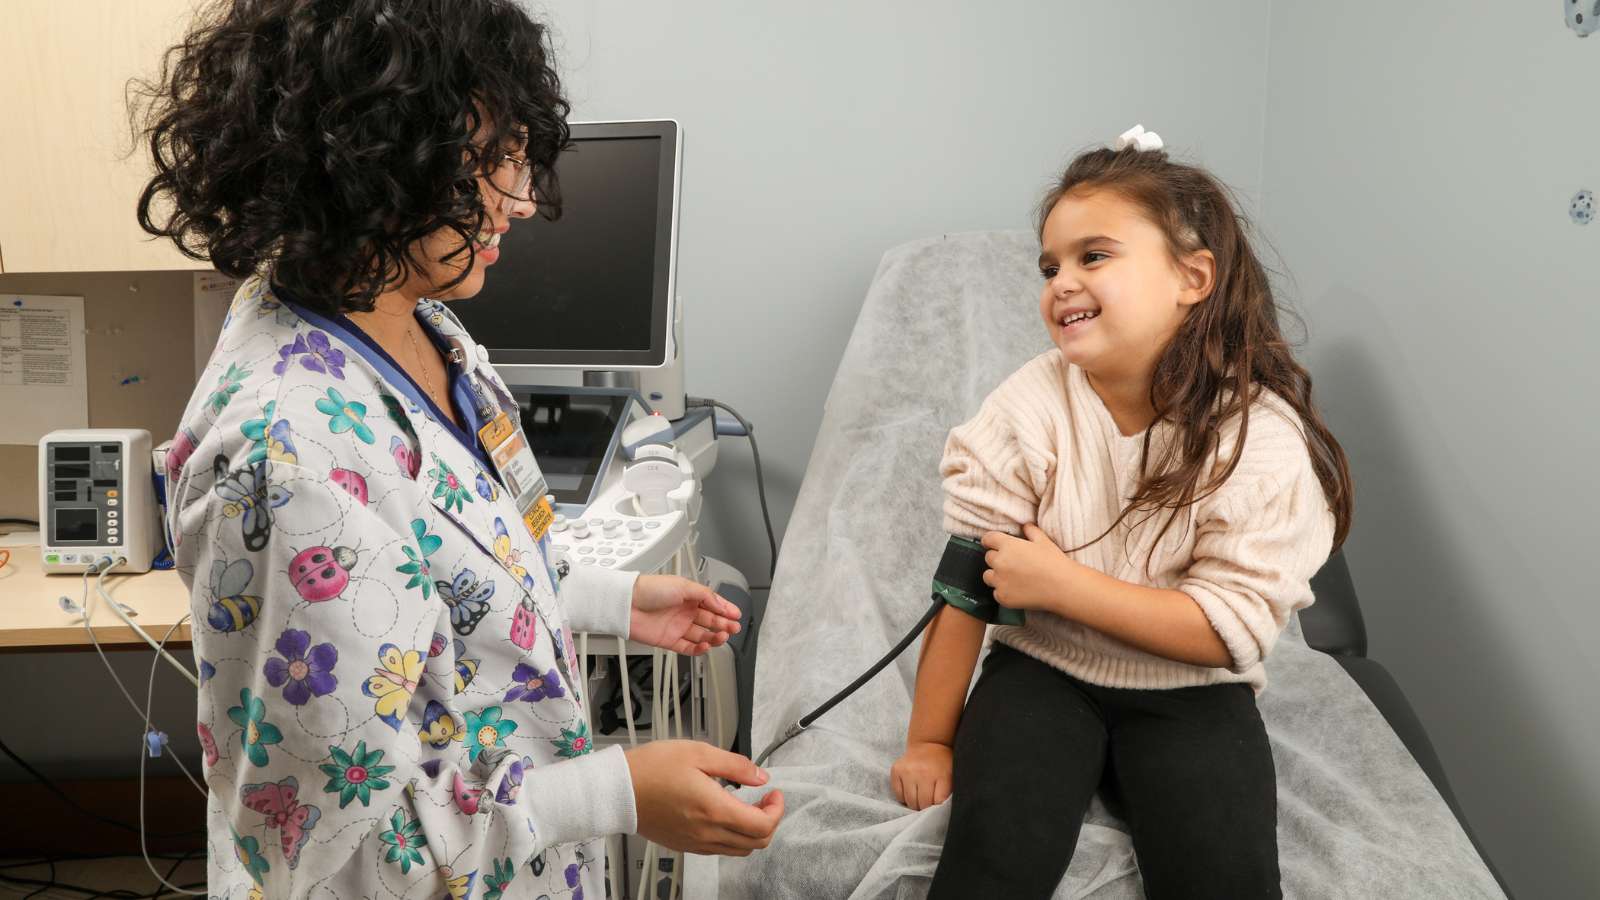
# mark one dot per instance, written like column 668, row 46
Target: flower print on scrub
column 270, row 438
column 315, row 353
column 416, row 564
column 346, row 415
column 303, row 671
column 256, row 732
column 354, row 775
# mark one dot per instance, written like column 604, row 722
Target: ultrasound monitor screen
column 570, row 435
column 593, row 281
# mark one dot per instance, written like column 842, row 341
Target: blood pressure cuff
column 959, row 582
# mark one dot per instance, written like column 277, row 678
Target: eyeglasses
column 520, row 186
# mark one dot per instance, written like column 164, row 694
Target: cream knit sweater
column 1043, row 448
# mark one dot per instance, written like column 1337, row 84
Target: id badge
column 519, row 472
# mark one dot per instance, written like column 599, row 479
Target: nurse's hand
column 680, row 615
column 681, row 806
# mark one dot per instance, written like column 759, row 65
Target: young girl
column 1169, row 442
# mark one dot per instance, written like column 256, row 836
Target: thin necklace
column 426, row 378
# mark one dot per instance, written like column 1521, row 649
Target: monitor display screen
column 589, row 288
column 76, row 524
column 570, row 435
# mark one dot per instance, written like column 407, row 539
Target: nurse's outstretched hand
column 680, row 615
column 681, row 805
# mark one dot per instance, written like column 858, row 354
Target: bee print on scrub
column 466, row 668
column 231, row 609
column 249, row 498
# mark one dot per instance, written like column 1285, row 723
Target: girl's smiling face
column 1113, row 294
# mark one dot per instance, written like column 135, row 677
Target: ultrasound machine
column 582, row 322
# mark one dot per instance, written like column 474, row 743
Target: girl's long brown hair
column 1229, row 347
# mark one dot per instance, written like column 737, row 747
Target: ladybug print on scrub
column 523, row 619
column 321, row 573
column 352, row 482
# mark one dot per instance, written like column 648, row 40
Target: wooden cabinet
column 70, row 171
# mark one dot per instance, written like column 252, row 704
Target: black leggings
column 1190, row 769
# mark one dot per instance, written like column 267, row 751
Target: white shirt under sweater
column 1043, row 448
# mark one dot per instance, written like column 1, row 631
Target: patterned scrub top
column 388, row 702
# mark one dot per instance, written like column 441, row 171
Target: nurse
column 389, row 702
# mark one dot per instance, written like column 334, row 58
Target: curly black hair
column 319, row 140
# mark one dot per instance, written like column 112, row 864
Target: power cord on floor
column 761, row 482
column 40, row 886
column 172, row 873
column 100, row 569
column 53, row 884
column 37, row 891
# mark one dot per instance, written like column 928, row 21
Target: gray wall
column 819, row 135
column 1419, row 162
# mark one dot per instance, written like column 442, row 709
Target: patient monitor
column 96, row 499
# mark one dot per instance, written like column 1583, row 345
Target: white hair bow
column 1139, row 138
